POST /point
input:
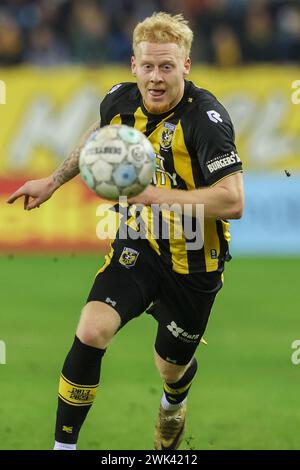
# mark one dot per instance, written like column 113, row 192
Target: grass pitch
column 245, row 395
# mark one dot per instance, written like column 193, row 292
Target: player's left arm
column 36, row 192
column 223, row 200
column 210, row 136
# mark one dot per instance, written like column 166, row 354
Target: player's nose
column 156, row 75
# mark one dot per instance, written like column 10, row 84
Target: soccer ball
column 117, row 160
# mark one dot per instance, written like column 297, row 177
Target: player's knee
column 170, row 376
column 97, row 325
column 171, row 373
column 93, row 337
column 94, row 333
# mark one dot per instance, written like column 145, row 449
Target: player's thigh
column 128, row 281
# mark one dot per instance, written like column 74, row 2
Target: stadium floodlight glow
column 2, row 92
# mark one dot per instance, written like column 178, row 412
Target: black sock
column 177, row 392
column 78, row 384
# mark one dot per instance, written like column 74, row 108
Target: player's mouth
column 156, row 93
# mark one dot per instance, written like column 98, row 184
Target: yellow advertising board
column 43, row 112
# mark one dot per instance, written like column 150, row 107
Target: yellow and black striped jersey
column 194, row 146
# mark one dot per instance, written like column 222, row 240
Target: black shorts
column 134, row 279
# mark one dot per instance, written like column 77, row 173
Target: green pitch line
column 245, row 396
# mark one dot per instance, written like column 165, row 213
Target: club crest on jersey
column 167, row 135
column 128, row 257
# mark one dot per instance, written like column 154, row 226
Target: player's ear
column 133, row 65
column 187, row 66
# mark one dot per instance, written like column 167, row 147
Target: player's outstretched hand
column 35, row 192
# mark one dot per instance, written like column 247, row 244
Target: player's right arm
column 36, row 192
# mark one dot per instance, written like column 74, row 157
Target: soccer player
column 197, row 164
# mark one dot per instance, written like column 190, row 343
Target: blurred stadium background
column 57, row 61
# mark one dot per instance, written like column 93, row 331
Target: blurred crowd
column 94, row 32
